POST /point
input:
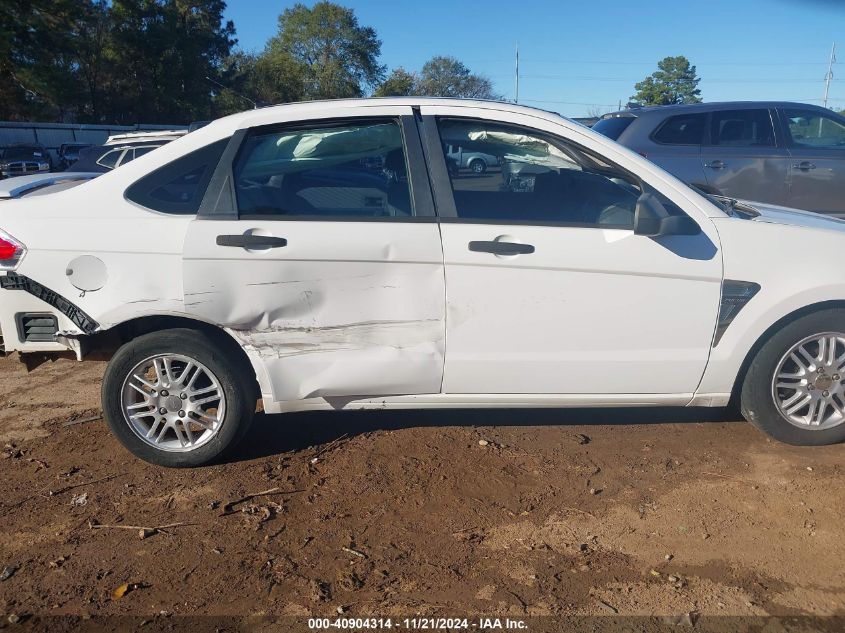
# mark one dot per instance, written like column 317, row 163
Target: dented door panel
column 344, row 308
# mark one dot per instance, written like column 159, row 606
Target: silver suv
column 789, row 154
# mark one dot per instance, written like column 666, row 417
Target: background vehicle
column 120, row 149
column 789, row 154
column 69, row 153
column 23, row 159
column 477, row 162
column 308, row 254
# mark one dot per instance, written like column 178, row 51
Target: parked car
column 24, row 158
column 145, row 136
column 789, row 154
column 477, row 162
column 69, row 154
column 103, row 158
column 260, row 257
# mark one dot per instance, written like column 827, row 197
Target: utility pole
column 829, row 75
column 516, row 100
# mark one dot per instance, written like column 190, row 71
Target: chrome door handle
column 716, row 164
column 804, row 165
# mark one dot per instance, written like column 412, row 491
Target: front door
column 548, row 288
column 817, row 168
column 332, row 272
column 741, row 158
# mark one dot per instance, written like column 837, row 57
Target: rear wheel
column 795, row 386
column 173, row 398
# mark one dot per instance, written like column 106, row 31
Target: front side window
column 742, row 128
column 332, row 171
column 683, row 129
column 178, row 187
column 537, row 180
column 809, row 128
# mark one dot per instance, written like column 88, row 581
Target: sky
column 579, row 58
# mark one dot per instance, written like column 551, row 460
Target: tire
column 760, row 396
column 478, row 166
column 199, row 430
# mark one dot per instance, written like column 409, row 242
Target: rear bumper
column 20, row 296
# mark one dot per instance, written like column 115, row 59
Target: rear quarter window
column 178, row 186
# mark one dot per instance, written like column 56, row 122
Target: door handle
column 715, row 164
column 251, row 241
column 804, row 165
column 501, row 248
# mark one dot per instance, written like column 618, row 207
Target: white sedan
column 324, row 256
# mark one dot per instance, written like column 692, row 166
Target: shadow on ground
column 273, row 434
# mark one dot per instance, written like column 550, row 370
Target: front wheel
column 173, row 398
column 794, row 389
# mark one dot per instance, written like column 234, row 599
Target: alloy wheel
column 173, row 402
column 807, row 385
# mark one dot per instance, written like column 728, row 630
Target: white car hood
column 774, row 214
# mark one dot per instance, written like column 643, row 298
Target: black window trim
column 220, row 201
column 705, row 135
column 442, row 185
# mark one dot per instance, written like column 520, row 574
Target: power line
column 709, row 81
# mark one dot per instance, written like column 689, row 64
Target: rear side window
column 346, row 170
column 109, row 159
column 683, row 129
column 612, row 127
column 178, row 187
column 742, row 128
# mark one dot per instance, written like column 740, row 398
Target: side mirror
column 652, row 219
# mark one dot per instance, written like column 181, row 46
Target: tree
column 37, row 69
column 400, row 83
column 326, row 50
column 163, row 51
column 674, row 82
column 444, row 76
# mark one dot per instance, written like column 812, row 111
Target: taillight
column 11, row 251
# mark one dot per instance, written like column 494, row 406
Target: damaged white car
column 327, row 256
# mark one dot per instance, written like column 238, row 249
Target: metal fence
column 53, row 135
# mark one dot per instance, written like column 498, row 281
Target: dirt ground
column 395, row 513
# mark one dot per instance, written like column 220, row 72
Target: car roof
column 708, row 106
column 306, row 107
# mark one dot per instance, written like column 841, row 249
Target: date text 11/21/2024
column 419, row 623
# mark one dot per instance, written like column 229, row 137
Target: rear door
column 817, row 166
column 324, row 258
column 742, row 157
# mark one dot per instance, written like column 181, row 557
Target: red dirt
column 399, row 513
